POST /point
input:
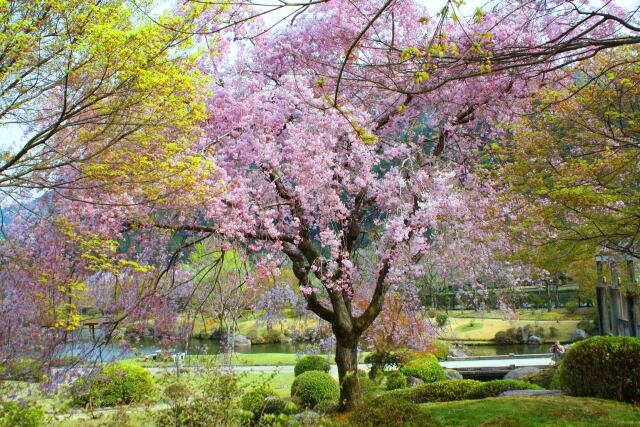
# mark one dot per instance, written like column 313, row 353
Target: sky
column 10, row 135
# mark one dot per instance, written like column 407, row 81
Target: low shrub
column 439, row 391
column 217, row 403
column 426, row 368
column 312, row 387
column 390, row 412
column 442, row 319
column 254, row 399
column 605, row 367
column 571, row 307
column 118, row 383
column 553, row 332
column 495, row 387
column 311, row 363
column 396, row 380
column 13, row 414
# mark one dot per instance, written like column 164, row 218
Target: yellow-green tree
column 571, row 169
column 97, row 88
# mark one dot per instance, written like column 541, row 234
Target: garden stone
column 452, row 374
column 306, row 418
column 241, row 341
column 414, row 381
column 521, row 373
column 578, row 334
column 534, row 340
column 532, row 393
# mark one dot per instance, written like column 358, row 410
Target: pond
column 196, row 346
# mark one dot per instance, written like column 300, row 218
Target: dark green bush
column 390, row 412
column 396, row 380
column 311, row 363
column 495, row 387
column 553, row 332
column 14, row 414
column 312, row 387
column 118, row 383
column 439, row 391
column 426, row 368
column 254, row 399
column 606, row 367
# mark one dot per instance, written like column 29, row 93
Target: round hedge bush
column 311, row 363
column 495, row 387
column 396, row 380
column 605, row 367
column 312, row 387
column 118, row 383
column 426, row 368
column 254, row 399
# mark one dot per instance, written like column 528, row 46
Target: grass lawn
column 484, row 329
column 534, row 411
column 584, row 313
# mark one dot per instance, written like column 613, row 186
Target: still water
column 119, row 350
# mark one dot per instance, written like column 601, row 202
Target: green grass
column 485, row 329
column 534, row 411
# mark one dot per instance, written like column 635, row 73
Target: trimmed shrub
column 14, row 414
column 495, row 387
column 312, row 387
column 390, row 412
column 311, row 363
column 396, row 380
column 426, row 368
column 605, row 367
column 118, row 383
column 254, row 399
column 291, row 408
column 439, row 391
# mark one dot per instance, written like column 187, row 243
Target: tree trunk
column 347, row 361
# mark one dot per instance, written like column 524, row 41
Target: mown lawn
column 485, row 329
column 534, row 411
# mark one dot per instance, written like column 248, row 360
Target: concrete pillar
column 601, row 298
column 614, row 296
